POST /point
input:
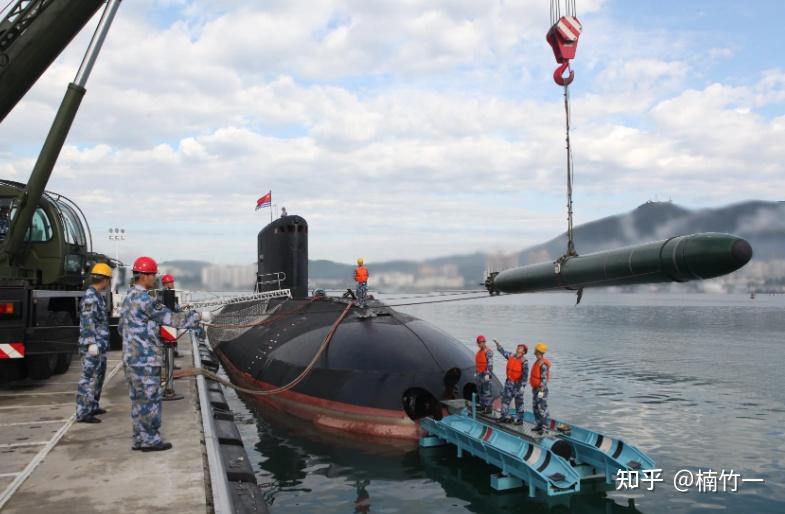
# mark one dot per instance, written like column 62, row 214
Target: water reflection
column 695, row 382
column 307, row 470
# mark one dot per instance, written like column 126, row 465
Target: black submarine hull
column 377, row 377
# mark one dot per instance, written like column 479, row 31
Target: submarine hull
column 377, row 377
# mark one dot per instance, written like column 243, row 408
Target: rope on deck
column 268, row 392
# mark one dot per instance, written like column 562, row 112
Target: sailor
column 361, row 276
column 93, row 345
column 483, row 360
column 283, row 212
column 541, row 375
column 141, row 318
column 517, row 371
column 167, row 281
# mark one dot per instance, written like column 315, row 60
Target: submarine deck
column 90, row 467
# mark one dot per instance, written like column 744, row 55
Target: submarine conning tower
column 283, row 256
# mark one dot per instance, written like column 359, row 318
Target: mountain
column 761, row 223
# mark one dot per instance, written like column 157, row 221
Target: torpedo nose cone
column 712, row 255
column 741, row 252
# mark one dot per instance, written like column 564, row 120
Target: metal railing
column 273, row 278
column 227, row 300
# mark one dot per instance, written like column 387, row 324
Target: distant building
column 439, row 277
column 229, row 277
column 500, row 262
column 391, row 280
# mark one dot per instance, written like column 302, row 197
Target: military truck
column 45, row 241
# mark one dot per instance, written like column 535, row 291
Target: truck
column 46, row 248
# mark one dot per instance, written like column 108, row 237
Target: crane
column 45, row 240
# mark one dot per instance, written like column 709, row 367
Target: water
column 696, row 381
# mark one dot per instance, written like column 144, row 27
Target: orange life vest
column 361, row 274
column 534, row 378
column 481, row 361
column 514, row 368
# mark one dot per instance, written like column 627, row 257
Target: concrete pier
column 48, row 463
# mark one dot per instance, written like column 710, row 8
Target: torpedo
column 678, row 259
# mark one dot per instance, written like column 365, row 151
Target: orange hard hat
column 480, row 339
column 167, row 278
column 145, row 265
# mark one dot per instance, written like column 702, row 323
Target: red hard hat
column 167, row 278
column 145, row 265
column 480, row 339
column 525, row 348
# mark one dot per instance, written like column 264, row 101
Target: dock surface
column 56, row 465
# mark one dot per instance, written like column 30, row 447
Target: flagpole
column 271, row 212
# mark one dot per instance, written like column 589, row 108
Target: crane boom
column 32, row 34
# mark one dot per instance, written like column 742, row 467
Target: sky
column 404, row 129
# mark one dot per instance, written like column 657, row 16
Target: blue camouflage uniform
column 93, row 329
column 514, row 388
column 362, row 293
column 141, row 318
column 540, row 405
column 483, row 381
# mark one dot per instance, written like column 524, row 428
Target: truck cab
column 41, row 285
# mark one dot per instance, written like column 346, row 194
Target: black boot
column 89, row 419
column 157, row 448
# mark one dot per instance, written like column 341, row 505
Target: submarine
column 382, row 370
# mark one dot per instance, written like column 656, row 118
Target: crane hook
column 558, row 74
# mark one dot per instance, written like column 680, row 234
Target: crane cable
column 570, row 242
column 563, row 37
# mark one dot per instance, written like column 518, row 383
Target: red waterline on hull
column 327, row 413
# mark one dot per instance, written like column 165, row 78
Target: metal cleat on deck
column 555, row 462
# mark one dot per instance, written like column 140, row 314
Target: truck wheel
column 63, row 363
column 12, row 369
column 41, row 367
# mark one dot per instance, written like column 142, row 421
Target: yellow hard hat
column 541, row 347
column 360, row 261
column 102, row 269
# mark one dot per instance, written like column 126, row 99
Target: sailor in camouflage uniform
column 483, row 374
column 539, row 380
column 517, row 372
column 141, row 318
column 93, row 345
